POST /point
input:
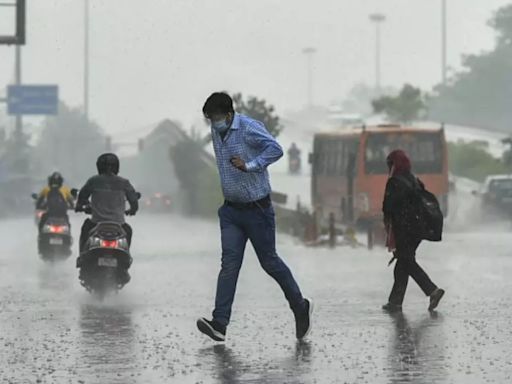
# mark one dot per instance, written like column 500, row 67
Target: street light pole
column 86, row 59
column 377, row 19
column 17, row 75
column 443, row 40
column 309, row 52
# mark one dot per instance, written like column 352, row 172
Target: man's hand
column 238, row 163
column 131, row 212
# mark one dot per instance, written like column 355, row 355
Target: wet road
column 51, row 331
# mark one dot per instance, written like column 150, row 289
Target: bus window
column 320, row 157
column 344, row 149
column 340, row 159
column 424, row 148
column 350, row 148
column 320, row 163
column 330, row 150
column 331, row 156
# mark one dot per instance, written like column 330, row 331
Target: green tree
column 259, row 110
column 359, row 98
column 197, row 173
column 480, row 94
column 407, row 106
column 17, row 153
column 471, row 160
column 69, row 143
column 507, row 155
column 502, row 24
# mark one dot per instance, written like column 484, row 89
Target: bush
column 472, row 161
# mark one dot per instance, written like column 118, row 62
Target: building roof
column 376, row 129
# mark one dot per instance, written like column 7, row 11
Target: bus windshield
column 424, row 149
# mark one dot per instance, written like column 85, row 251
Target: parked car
column 496, row 195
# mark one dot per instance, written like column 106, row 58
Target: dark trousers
column 256, row 224
column 406, row 266
column 88, row 226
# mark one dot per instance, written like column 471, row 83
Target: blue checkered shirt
column 248, row 139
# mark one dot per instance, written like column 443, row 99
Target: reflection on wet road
column 51, row 331
column 231, row 367
column 411, row 360
column 107, row 341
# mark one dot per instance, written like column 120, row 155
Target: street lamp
column 377, row 19
column 443, row 40
column 309, row 52
column 86, row 59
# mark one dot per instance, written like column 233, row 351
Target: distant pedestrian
column 402, row 239
column 244, row 149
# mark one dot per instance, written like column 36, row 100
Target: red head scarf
column 399, row 162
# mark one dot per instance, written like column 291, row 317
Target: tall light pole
column 443, row 40
column 377, row 19
column 309, row 52
column 17, row 73
column 86, row 59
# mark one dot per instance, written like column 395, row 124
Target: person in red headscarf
column 398, row 205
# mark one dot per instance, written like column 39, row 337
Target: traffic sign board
column 32, row 99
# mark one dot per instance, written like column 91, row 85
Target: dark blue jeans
column 258, row 226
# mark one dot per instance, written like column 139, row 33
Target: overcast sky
column 161, row 58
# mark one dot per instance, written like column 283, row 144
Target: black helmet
column 108, row 163
column 55, row 180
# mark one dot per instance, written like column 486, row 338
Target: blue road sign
column 32, row 99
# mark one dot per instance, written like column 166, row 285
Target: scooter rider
column 108, row 193
column 294, row 158
column 294, row 151
column 55, row 199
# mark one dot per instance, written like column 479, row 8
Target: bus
column 349, row 171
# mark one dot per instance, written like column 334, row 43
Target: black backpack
column 423, row 216
column 56, row 204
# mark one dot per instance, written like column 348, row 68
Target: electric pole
column 86, row 59
column 309, row 52
column 377, row 19
column 443, row 40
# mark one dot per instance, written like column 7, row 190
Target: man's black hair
column 108, row 163
column 218, row 103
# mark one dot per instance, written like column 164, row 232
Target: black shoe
column 303, row 321
column 392, row 308
column 435, row 298
column 212, row 328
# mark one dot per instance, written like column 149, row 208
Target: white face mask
column 220, row 126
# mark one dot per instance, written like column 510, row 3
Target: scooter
column 54, row 239
column 105, row 259
column 294, row 165
column 38, row 214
